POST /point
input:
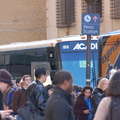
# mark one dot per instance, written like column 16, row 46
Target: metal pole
column 88, row 56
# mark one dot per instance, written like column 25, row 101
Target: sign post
column 90, row 26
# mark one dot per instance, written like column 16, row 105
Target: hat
column 40, row 71
column 5, row 77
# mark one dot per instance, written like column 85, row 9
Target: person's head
column 50, row 89
column 114, row 85
column 103, row 84
column 18, row 82
column 111, row 73
column 26, row 80
column 98, row 80
column 76, row 89
column 64, row 80
column 86, row 91
column 41, row 74
column 5, row 80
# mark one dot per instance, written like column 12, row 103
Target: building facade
column 22, row 20
column 64, row 16
column 31, row 20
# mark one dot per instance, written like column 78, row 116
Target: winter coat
column 19, row 99
column 102, row 110
column 96, row 97
column 79, row 107
column 59, row 106
column 38, row 95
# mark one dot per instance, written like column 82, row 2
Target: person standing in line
column 111, row 73
column 59, row 104
column 18, row 83
column 98, row 94
column 82, row 107
column 36, row 92
column 20, row 95
column 5, row 82
column 109, row 107
column 11, row 92
column 50, row 89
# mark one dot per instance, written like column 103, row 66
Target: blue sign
column 90, row 24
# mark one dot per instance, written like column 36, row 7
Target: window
column 2, row 61
column 115, row 11
column 65, row 13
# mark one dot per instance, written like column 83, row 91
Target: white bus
column 67, row 53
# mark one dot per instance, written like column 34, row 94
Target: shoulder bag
column 29, row 112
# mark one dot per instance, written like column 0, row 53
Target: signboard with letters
column 90, row 24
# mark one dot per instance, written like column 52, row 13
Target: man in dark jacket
column 5, row 82
column 59, row 104
column 36, row 92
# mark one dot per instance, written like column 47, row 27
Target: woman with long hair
column 82, row 107
column 98, row 94
column 108, row 108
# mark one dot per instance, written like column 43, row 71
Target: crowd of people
column 61, row 100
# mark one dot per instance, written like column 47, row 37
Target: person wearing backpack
column 10, row 94
column 109, row 107
column 20, row 95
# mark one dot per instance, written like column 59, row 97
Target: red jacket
column 79, row 107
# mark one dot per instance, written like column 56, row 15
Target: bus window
column 76, row 64
column 2, row 61
column 72, row 57
column 41, row 55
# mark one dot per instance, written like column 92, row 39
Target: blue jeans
column 19, row 118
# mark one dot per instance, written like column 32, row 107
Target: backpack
column 114, row 109
column 10, row 95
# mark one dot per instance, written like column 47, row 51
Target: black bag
column 29, row 112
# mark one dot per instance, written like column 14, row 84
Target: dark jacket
column 19, row 99
column 59, row 106
column 38, row 95
column 97, row 96
column 1, row 103
column 79, row 107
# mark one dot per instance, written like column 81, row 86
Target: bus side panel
column 110, row 55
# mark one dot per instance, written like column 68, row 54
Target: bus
column 108, row 52
column 66, row 53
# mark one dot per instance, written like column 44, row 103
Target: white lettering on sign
column 82, row 46
column 91, row 32
column 65, row 46
column 88, row 27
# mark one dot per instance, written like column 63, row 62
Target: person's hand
column 11, row 117
column 86, row 111
column 5, row 113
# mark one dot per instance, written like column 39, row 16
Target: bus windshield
column 73, row 59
